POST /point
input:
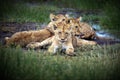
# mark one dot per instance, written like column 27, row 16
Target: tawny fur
column 87, row 31
column 49, row 41
column 25, row 37
column 76, row 31
column 62, row 38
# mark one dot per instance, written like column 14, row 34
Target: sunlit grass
column 91, row 63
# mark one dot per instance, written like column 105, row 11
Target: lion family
column 62, row 32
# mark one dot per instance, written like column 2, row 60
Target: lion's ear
column 52, row 17
column 67, row 15
column 7, row 38
column 80, row 18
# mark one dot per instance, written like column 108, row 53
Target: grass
column 27, row 12
column 91, row 63
column 91, row 18
column 39, row 10
column 79, row 4
column 111, row 18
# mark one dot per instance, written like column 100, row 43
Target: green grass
column 111, row 19
column 33, row 12
column 91, row 63
column 91, row 18
column 79, row 4
column 28, row 12
column 39, row 10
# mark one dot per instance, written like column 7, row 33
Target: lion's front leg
column 33, row 45
column 70, row 50
column 53, row 49
column 39, row 44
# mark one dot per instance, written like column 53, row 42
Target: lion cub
column 25, row 37
column 62, row 39
column 74, row 23
column 82, row 31
column 86, row 31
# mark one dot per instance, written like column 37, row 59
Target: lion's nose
column 62, row 39
column 77, row 35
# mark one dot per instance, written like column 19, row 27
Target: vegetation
column 28, row 11
column 110, row 10
column 91, row 63
column 112, row 14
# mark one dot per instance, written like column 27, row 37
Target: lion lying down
column 75, row 32
column 25, row 37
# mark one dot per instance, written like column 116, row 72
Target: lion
column 81, row 31
column 62, row 39
column 77, row 41
column 86, row 31
column 25, row 37
column 57, row 19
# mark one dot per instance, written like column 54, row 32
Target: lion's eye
column 76, row 26
column 54, row 19
column 68, row 21
column 63, row 20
